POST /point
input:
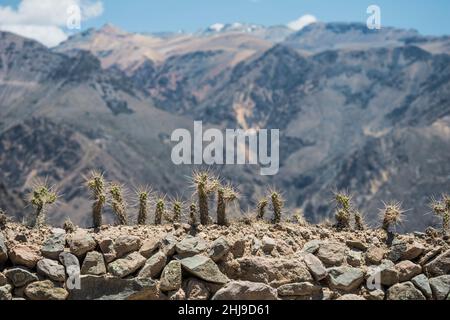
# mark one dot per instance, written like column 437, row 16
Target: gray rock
column 127, row 265
column 219, row 249
column 112, row 288
column 346, row 279
column 268, row 244
column 176, row 295
column 196, row 290
column 423, row 284
column 149, row 247
column 351, row 297
column 3, row 250
column 69, row 260
column 299, row 289
column 354, row 258
column 238, row 248
column 375, row 295
column 3, row 280
column 413, row 251
column 168, row 245
column 356, row 244
column 25, row 255
column 81, row 243
column 374, row 255
column 245, row 290
column 5, row 293
column 440, row 286
column 51, row 269
column 404, row 291
column 386, row 273
column 407, row 270
column 204, row 268
column 20, row 277
column 312, row 246
column 397, row 251
column 93, row 264
column 256, row 245
column 190, row 246
column 332, row 253
column 126, row 244
column 171, row 277
column 45, row 290
column 107, row 247
column 154, row 265
column 440, row 265
column 315, row 266
column 54, row 245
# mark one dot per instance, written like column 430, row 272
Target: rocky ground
column 242, row 261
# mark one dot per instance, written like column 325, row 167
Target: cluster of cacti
column 42, row 196
column 442, row 209
column 277, row 202
column 345, row 212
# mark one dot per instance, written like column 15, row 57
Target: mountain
column 367, row 111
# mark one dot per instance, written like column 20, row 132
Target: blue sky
column 430, row 17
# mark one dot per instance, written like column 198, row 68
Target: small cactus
column 359, row 221
column 118, row 203
column 205, row 185
column 42, row 196
column 277, row 206
column 159, row 211
column 343, row 210
column 392, row 216
column 96, row 184
column 442, row 209
column 143, row 196
column 177, row 210
column 261, row 209
column 299, row 218
column 69, row 227
column 193, row 214
column 225, row 195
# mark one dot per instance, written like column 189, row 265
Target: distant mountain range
column 363, row 110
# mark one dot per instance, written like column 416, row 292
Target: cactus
column 299, row 218
column 205, row 186
column 159, row 211
column 177, row 210
column 143, row 196
column 261, row 209
column 96, row 184
column 42, row 196
column 277, row 206
column 359, row 221
column 343, row 210
column 193, row 214
column 442, row 209
column 392, row 215
column 225, row 195
column 3, row 219
column 69, row 227
column 118, row 203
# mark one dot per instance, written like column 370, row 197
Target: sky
column 45, row 20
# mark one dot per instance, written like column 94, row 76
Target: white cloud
column 302, row 22
column 45, row 20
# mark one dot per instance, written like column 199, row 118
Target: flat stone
column 149, row 247
column 219, row 249
column 245, row 290
column 315, row 266
column 23, row 255
column 332, row 253
column 5, row 293
column 413, row 251
column 356, row 244
column 171, row 277
column 346, row 279
column 45, row 290
column 374, row 255
column 204, row 268
column 126, row 265
column 51, row 269
column 351, row 297
column 375, row 295
column 191, row 246
column 423, row 284
column 3, row 279
column 398, row 249
column 93, row 264
column 268, row 244
column 440, row 265
column 312, row 246
column 404, row 291
column 354, row 258
column 126, row 244
column 112, row 288
column 196, row 289
column 54, row 245
column 154, row 265
column 440, row 286
column 20, row 277
column 299, row 289
column 69, row 260
column 407, row 270
column 168, row 245
column 81, row 243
